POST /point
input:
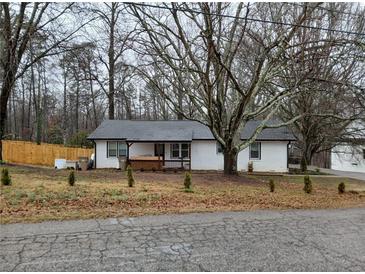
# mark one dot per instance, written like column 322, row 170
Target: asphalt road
column 298, row 240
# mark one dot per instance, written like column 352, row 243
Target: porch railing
column 160, row 164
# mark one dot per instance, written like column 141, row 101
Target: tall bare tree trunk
column 23, row 109
column 111, row 57
column 64, row 116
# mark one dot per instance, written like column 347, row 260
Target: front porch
column 159, row 156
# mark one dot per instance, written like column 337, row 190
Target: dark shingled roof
column 137, row 130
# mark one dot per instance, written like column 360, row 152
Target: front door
column 160, row 150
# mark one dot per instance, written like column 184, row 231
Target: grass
column 39, row 194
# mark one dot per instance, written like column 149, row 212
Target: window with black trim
column 219, row 148
column 122, row 149
column 112, row 149
column 174, row 150
column 179, row 151
column 115, row 149
column 255, row 151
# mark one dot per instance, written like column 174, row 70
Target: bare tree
column 116, row 43
column 226, row 91
column 329, row 101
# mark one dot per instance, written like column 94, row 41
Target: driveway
column 296, row 240
column 348, row 174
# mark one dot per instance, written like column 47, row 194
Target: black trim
column 107, row 149
column 287, row 155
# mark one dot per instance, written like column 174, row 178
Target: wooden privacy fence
column 43, row 154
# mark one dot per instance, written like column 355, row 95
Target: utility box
column 122, row 162
column 83, row 161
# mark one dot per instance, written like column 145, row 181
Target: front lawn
column 39, row 194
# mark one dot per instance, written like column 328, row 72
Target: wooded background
column 66, row 67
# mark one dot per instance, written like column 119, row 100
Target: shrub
column 5, row 177
column 307, row 185
column 341, row 188
column 130, row 176
column 71, row 178
column 187, row 181
column 272, row 185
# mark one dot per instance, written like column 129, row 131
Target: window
column 174, row 150
column 179, row 151
column 363, row 154
column 255, row 151
column 122, row 149
column 185, row 150
column 116, row 149
column 219, row 148
column 112, row 149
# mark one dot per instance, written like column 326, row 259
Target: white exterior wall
column 273, row 157
column 204, row 156
column 102, row 161
column 346, row 158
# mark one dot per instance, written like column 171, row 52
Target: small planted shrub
column 272, row 185
column 307, row 185
column 5, row 177
column 71, row 178
column 341, row 188
column 130, row 176
column 187, row 182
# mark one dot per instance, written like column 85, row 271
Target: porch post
column 127, row 153
column 190, row 156
column 159, row 156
